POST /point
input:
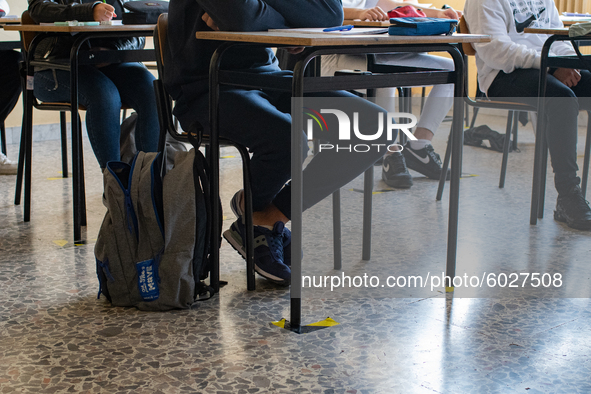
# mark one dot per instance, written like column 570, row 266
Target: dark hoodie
column 188, row 58
column 48, row 11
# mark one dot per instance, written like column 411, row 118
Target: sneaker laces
column 398, row 163
column 431, row 152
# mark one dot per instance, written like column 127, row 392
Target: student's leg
column 101, row 98
column 136, row 89
column 10, row 81
column 562, row 109
column 330, row 169
column 440, row 98
column 249, row 118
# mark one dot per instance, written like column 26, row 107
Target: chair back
column 467, row 48
column 160, row 41
column 27, row 36
column 163, row 99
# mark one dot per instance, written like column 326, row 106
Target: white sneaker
column 7, row 167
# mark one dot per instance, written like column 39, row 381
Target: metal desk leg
column 457, row 142
column 296, row 194
column 535, row 193
column 367, row 209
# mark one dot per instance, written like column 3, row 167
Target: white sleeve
column 4, row 6
column 489, row 17
column 354, row 3
column 561, row 48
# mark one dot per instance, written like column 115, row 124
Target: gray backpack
column 152, row 251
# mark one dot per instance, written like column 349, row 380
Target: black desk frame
column 541, row 147
column 77, row 57
column 300, row 85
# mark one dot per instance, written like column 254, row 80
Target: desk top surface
column 324, row 39
column 78, row 29
column 4, row 20
column 562, row 31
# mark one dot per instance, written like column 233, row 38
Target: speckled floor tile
column 56, row 337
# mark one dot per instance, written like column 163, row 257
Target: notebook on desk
column 320, row 30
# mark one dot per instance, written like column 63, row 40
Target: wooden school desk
column 322, row 44
column 77, row 57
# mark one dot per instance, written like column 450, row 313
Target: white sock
column 418, row 144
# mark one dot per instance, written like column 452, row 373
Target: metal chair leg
column 444, row 168
column 336, row 229
column 367, row 211
column 542, row 189
column 3, row 137
column 587, row 154
column 510, row 116
column 64, row 136
column 250, row 276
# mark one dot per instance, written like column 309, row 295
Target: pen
column 575, row 14
column 339, row 28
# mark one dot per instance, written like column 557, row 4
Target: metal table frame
column 300, row 85
column 77, row 57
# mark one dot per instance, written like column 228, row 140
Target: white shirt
column 355, row 3
column 510, row 48
column 4, row 6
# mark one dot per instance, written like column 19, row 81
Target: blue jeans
column 102, row 91
column 261, row 121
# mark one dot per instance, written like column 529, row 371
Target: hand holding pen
column 103, row 12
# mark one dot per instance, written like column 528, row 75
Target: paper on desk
column 579, row 29
column 320, row 30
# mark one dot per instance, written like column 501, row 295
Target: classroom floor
column 57, row 337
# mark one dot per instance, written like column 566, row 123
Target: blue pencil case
column 414, row 26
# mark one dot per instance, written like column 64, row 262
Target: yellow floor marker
column 328, row 322
column 60, row 242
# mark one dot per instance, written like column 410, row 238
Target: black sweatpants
column 560, row 118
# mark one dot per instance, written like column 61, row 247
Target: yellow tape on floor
column 328, row 322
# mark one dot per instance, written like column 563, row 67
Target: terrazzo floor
column 56, row 337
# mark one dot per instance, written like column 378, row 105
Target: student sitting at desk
column 418, row 155
column 509, row 67
column 102, row 89
column 10, row 81
column 258, row 119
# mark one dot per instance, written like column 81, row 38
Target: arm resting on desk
column 259, row 15
column 47, row 11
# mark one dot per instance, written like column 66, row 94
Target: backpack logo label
column 147, row 278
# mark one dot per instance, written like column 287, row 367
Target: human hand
column 294, row 50
column 103, row 12
column 568, row 76
column 374, row 14
column 450, row 13
column 207, row 19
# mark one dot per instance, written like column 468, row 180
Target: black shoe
column 394, row 171
column 572, row 209
column 424, row 161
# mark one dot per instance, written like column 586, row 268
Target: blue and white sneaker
column 238, row 212
column 268, row 250
column 286, row 247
